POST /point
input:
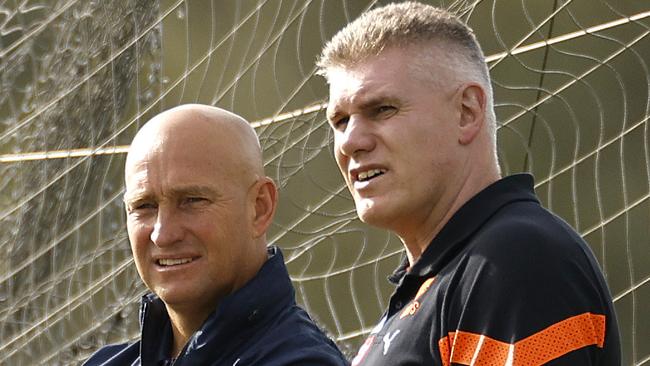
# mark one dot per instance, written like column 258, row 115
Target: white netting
column 77, row 78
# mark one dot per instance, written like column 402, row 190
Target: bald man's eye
column 385, row 111
column 195, row 201
column 141, row 207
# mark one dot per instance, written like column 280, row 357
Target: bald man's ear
column 473, row 104
column 265, row 202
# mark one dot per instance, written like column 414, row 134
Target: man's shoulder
column 523, row 276
column 528, row 229
column 115, row 354
column 295, row 336
column 526, row 251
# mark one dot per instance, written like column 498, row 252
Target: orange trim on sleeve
column 568, row 335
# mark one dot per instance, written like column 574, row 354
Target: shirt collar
column 464, row 223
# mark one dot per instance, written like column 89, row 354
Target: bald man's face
column 188, row 210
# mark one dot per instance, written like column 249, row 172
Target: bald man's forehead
column 176, row 165
column 201, row 119
column 206, row 133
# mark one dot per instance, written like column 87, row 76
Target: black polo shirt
column 505, row 282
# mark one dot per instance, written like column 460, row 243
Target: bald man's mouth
column 173, row 262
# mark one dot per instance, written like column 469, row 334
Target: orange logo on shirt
column 413, row 307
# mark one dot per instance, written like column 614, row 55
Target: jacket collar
column 235, row 319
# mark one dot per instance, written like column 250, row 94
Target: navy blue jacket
column 259, row 324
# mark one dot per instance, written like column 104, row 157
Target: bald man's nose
column 167, row 229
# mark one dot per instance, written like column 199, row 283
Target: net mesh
column 571, row 87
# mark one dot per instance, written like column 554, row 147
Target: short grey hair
column 409, row 24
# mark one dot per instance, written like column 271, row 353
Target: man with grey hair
column 489, row 277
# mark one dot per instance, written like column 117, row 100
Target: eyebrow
column 181, row 191
column 136, row 196
column 375, row 101
column 370, row 103
column 333, row 116
column 193, row 190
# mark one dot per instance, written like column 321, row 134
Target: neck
column 184, row 324
column 417, row 237
column 188, row 317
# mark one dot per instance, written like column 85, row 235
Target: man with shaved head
column 489, row 277
column 198, row 206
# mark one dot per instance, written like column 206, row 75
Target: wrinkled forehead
column 344, row 81
column 423, row 61
column 377, row 75
column 192, row 146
